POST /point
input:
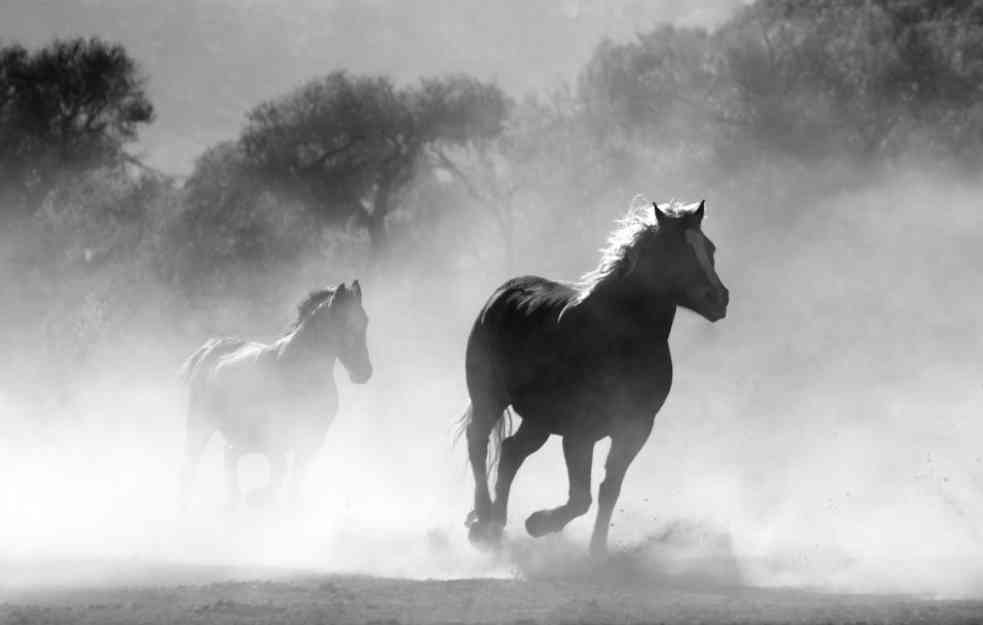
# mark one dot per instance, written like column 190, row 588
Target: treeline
column 807, row 79
column 449, row 173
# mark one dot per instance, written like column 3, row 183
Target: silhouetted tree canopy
column 348, row 146
column 810, row 79
column 66, row 108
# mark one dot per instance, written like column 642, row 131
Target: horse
column 584, row 361
column 276, row 399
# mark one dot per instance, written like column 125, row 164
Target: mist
column 814, row 447
column 208, row 69
column 824, row 435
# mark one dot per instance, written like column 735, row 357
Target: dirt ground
column 169, row 594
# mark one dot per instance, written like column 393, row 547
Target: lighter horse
column 275, row 399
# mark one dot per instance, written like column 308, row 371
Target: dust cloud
column 825, row 435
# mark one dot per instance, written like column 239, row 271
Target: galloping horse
column 278, row 398
column 585, row 362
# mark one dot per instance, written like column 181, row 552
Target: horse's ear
column 342, row 290
column 660, row 217
column 357, row 290
column 698, row 213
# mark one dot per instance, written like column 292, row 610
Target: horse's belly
column 589, row 401
column 259, row 423
column 274, row 432
column 249, row 430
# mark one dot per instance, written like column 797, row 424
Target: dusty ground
column 163, row 594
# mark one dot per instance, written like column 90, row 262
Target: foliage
column 349, row 146
column 807, row 79
column 67, row 108
column 228, row 223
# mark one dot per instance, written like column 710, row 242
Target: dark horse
column 584, row 362
column 280, row 398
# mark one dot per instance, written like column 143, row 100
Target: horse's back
column 243, row 390
column 524, row 310
column 221, row 369
column 240, row 372
column 526, row 302
column 205, row 357
column 515, row 337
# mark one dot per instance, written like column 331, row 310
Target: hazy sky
column 209, row 61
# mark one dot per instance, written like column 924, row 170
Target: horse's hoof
column 486, row 535
column 538, row 524
column 472, row 519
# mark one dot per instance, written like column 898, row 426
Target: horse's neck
column 301, row 349
column 625, row 308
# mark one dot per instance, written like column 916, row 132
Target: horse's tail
column 501, row 431
column 207, row 353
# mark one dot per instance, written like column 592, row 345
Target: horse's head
column 338, row 317
column 681, row 262
column 351, row 323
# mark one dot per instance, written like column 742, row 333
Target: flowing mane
column 307, row 307
column 632, row 232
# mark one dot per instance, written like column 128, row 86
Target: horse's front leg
column 304, row 453
column 198, row 433
column 515, row 449
column 578, row 453
column 625, row 445
column 278, row 471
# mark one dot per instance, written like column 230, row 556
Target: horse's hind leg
column 578, row 453
column 232, row 456
column 515, row 449
column 278, row 472
column 277, row 459
column 197, row 435
column 304, row 452
column 484, row 416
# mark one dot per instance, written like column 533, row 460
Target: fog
column 208, row 68
column 824, row 435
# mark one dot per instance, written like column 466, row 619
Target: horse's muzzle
column 361, row 376
column 716, row 314
column 714, row 304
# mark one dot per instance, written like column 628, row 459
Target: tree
column 231, row 223
column 808, row 79
column 348, row 146
column 65, row 109
column 664, row 82
column 871, row 79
